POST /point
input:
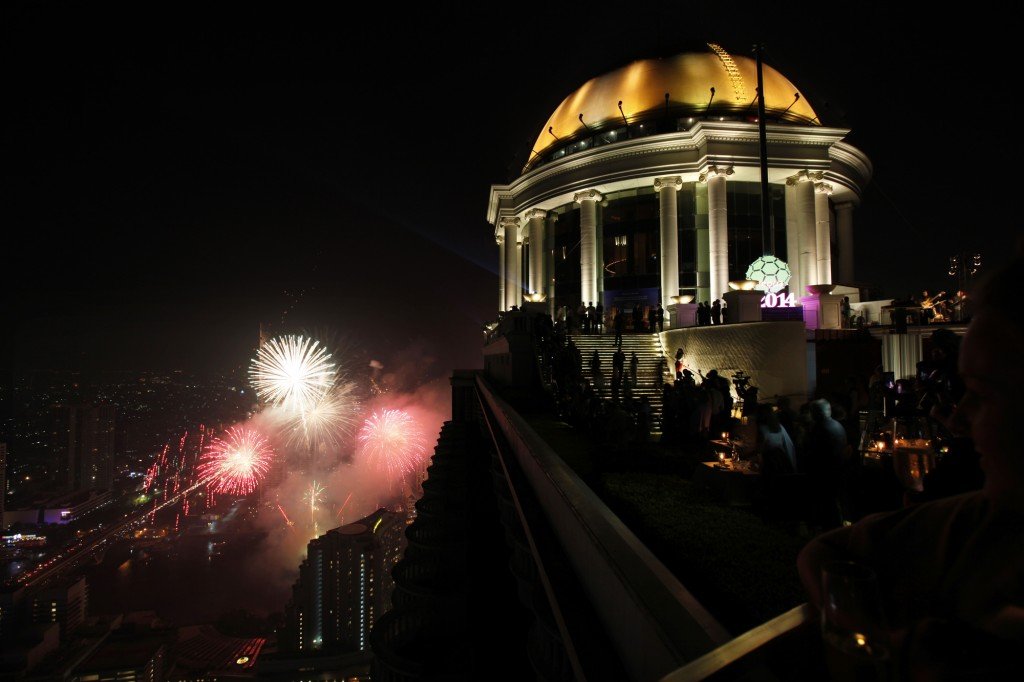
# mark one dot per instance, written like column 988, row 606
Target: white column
column 538, row 258
column 823, row 231
column 703, row 249
column 549, row 268
column 844, row 234
column 718, row 229
column 588, row 245
column 500, row 238
column 524, row 265
column 513, row 294
column 803, row 184
column 668, row 188
column 793, row 242
column 520, row 284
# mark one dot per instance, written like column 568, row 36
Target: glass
column 913, row 455
column 911, row 445
column 853, row 624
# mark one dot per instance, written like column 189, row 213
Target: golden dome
column 688, row 79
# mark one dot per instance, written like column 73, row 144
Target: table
column 734, row 486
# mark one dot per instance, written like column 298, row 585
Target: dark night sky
column 175, row 174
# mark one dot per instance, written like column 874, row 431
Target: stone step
column 649, row 353
column 626, row 338
column 625, row 349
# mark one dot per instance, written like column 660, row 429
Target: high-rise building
column 344, row 585
column 64, row 604
column 63, row 435
column 85, row 441
column 98, row 442
column 3, row 481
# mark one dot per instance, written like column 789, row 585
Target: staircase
column 649, row 379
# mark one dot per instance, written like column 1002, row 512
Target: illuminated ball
column 771, row 274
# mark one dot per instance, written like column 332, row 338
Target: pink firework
column 392, row 441
column 237, row 463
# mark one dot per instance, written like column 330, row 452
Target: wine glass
column 853, row 623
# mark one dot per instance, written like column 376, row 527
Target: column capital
column 587, row 195
column 535, row 213
column 499, row 239
column 823, row 188
column 805, row 176
column 552, row 216
column 509, row 221
column 714, row 172
column 673, row 181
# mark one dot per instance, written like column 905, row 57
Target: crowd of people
column 591, row 319
column 950, row 559
column 692, row 411
column 807, row 455
column 640, row 319
column 603, row 406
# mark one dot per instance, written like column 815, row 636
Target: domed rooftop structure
column 646, row 184
column 677, row 86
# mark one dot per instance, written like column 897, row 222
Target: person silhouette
column 950, row 572
column 619, row 324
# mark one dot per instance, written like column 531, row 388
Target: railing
column 658, row 629
column 740, row 649
column 655, row 625
column 522, row 568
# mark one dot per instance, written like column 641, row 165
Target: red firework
column 392, row 441
column 236, row 464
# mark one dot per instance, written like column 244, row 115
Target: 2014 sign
column 778, row 301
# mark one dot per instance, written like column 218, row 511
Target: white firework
column 292, row 372
column 329, row 420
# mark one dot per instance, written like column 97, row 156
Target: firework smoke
column 329, row 420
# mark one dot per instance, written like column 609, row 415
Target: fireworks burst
column 329, row 419
column 236, row 464
column 315, row 497
column 392, row 442
column 292, row 372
